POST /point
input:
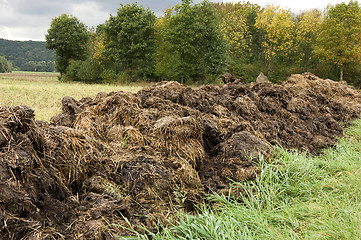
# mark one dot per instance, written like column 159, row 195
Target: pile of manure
column 139, row 157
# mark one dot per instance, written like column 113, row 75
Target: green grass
column 43, row 92
column 297, row 197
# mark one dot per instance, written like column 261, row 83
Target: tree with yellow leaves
column 307, row 28
column 236, row 31
column 278, row 29
column 236, row 26
column 339, row 38
column 98, row 48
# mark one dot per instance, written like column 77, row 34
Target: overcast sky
column 30, row 19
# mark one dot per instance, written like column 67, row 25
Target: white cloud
column 4, row 32
column 6, row 12
column 30, row 33
column 18, row 33
column 89, row 13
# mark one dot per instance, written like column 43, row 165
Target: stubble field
column 43, row 92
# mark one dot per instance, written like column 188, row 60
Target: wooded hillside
column 28, row 55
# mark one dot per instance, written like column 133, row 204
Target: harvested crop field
column 139, row 157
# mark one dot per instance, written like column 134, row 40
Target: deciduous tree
column 165, row 60
column 70, row 39
column 238, row 21
column 129, row 39
column 234, row 25
column 307, row 30
column 5, row 65
column 339, row 38
column 196, row 41
column 278, row 28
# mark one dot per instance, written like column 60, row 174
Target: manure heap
column 142, row 156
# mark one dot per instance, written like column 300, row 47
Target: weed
column 114, row 190
column 125, row 139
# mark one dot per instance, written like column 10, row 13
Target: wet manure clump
column 136, row 158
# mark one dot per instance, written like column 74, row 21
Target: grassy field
column 297, row 197
column 43, row 92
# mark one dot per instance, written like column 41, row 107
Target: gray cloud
column 37, row 7
column 30, row 19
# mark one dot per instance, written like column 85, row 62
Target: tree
column 235, row 27
column 70, row 39
column 129, row 39
column 238, row 25
column 97, row 49
column 28, row 66
column 278, row 28
column 339, row 38
column 196, row 43
column 238, row 21
column 5, row 65
column 307, row 29
column 20, row 52
column 165, row 61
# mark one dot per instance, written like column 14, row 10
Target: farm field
column 235, row 161
column 43, row 92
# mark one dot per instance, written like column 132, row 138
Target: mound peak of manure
column 140, row 156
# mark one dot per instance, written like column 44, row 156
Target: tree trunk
column 341, row 73
column 269, row 70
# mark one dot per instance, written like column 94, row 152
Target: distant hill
column 28, row 55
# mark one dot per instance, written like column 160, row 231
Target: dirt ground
column 140, row 157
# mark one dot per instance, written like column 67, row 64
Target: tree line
column 199, row 42
column 26, row 56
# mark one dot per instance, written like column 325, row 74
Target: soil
column 123, row 158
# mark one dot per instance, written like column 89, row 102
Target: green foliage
column 28, row 55
column 125, row 139
column 237, row 33
column 247, row 72
column 70, row 39
column 352, row 73
column 339, row 35
column 194, row 43
column 39, row 66
column 85, row 71
column 165, row 62
column 108, row 76
column 72, row 71
column 5, row 65
column 129, row 40
column 307, row 24
column 238, row 21
column 277, row 27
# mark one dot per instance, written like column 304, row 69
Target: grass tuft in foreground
column 297, row 197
